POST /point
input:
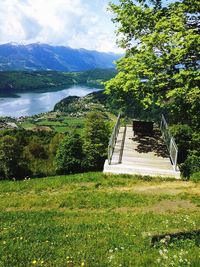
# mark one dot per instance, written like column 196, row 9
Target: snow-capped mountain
column 38, row 56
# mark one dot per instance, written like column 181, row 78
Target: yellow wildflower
column 34, row 262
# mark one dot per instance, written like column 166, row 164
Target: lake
column 31, row 103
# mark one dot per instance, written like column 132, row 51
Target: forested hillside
column 13, row 81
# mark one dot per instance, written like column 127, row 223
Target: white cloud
column 77, row 23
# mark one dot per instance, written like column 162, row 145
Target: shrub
column 183, row 136
column 69, row 155
column 8, row 157
column 191, row 164
column 96, row 138
column 195, row 177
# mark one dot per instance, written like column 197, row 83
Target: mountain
column 46, row 57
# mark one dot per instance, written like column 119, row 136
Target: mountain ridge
column 37, row 56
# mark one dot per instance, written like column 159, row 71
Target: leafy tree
column 96, row 138
column 8, row 156
column 69, row 155
column 161, row 64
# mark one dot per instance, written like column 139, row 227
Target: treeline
column 13, row 81
column 26, row 154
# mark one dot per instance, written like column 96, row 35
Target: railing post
column 113, row 139
column 170, row 142
column 176, row 158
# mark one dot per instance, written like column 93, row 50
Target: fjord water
column 31, row 103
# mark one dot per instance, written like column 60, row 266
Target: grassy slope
column 96, row 220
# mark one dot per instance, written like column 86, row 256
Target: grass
column 61, row 124
column 93, row 219
column 66, row 125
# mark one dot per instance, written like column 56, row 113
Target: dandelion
column 34, row 262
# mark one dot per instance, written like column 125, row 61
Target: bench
column 142, row 127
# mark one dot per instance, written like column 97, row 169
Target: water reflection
column 33, row 103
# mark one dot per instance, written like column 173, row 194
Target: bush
column 69, row 155
column 195, row 177
column 183, row 136
column 191, row 165
column 9, row 154
column 96, row 139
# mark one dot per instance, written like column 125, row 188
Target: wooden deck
column 144, row 155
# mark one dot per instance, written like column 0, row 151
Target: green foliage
column 183, row 136
column 69, row 155
column 8, row 156
column 189, row 148
column 195, row 177
column 160, row 67
column 43, row 153
column 191, row 164
column 96, row 136
column 26, row 153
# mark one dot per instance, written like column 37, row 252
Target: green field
column 97, row 220
column 65, row 125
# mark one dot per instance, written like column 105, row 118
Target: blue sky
column 76, row 23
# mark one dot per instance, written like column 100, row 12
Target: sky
column 75, row 23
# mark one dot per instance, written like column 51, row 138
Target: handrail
column 122, row 145
column 113, row 139
column 170, row 142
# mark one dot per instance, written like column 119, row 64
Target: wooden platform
column 144, row 155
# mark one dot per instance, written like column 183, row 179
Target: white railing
column 113, row 139
column 170, row 142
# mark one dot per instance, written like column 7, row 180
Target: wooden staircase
column 142, row 155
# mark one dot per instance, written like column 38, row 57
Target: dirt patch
column 164, row 206
column 168, row 188
column 173, row 206
column 40, row 128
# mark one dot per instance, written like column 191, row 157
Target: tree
column 8, row 156
column 69, row 154
column 96, row 138
column 161, row 64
